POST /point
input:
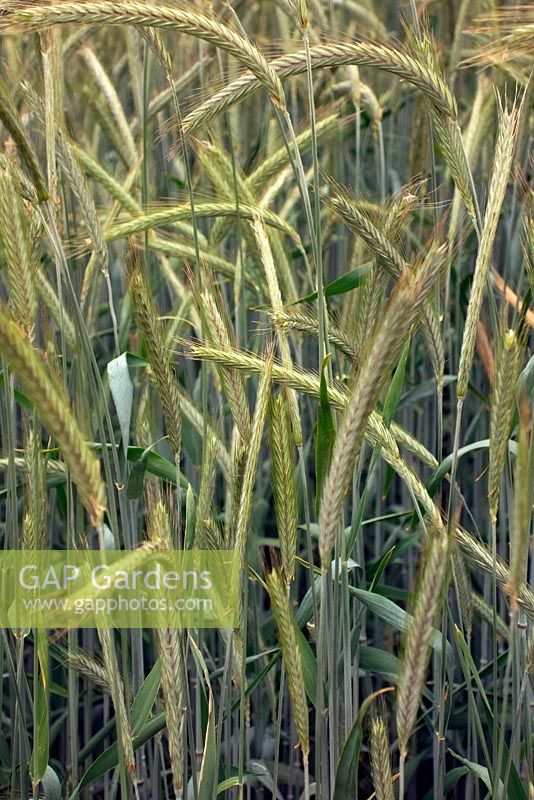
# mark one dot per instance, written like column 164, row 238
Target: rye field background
column 266, row 276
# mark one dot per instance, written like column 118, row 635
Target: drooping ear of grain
column 52, row 407
column 308, row 383
column 88, row 667
column 38, row 16
column 395, row 60
column 481, row 558
column 485, row 612
column 464, row 590
column 80, row 190
column 305, row 320
column 205, row 495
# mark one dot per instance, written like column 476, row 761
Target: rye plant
column 266, row 278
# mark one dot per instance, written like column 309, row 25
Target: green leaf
column 481, row 772
column 229, row 783
column 450, row 780
column 423, row 390
column 134, row 485
column 145, row 698
column 190, row 518
column 157, row 465
column 382, row 564
column 348, row 282
column 380, row 661
column 309, row 666
column 41, row 730
column 525, row 383
column 345, row 783
column 395, row 616
column 515, row 788
column 325, row 436
column 233, row 778
column 434, row 482
column 95, row 740
column 394, row 392
column 142, row 730
column 110, row 757
column 21, row 398
column 210, row 762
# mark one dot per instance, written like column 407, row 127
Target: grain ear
column 165, row 378
column 52, row 407
column 291, row 659
column 414, row 665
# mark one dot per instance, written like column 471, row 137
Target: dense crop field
column 266, row 276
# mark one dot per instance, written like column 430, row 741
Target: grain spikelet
column 381, row 760
column 164, row 375
column 485, row 612
column 15, row 241
column 247, row 490
column 404, row 309
column 10, row 118
column 473, row 137
column 232, row 380
column 205, row 493
column 396, row 61
column 27, row 17
column 283, row 479
column 52, row 407
column 378, row 242
column 305, row 320
column 34, row 522
column 48, row 296
column 502, row 408
column 114, row 680
column 502, row 163
column 285, row 625
column 447, row 130
column 308, row 382
column 170, row 651
column 266, row 255
column 464, row 590
column 88, row 667
column 417, row 644
column 361, row 223
column 481, row 558
column 155, row 219
column 108, row 90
